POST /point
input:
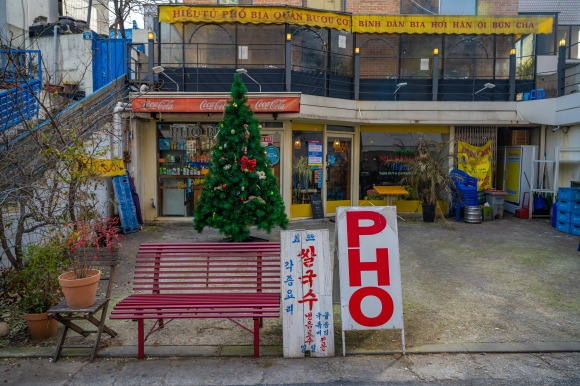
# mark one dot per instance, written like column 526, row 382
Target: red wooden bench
column 203, row 280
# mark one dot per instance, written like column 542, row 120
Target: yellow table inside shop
column 390, row 192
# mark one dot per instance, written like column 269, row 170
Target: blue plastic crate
column 569, row 205
column 575, row 229
column 569, row 194
column 564, row 215
column 563, row 226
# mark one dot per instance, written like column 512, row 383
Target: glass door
column 338, row 171
column 307, row 171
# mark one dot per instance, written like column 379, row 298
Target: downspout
column 116, row 151
column 54, row 81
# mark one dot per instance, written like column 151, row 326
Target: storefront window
column 438, row 7
column 379, row 149
column 468, row 57
column 575, row 42
column 417, row 55
column 329, row 5
column 235, row 2
column 307, row 173
column 183, row 163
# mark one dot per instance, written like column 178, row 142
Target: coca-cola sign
column 259, row 104
column 216, row 105
column 270, row 105
column 159, row 105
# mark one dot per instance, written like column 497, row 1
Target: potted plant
column 427, row 175
column 83, row 242
column 34, row 289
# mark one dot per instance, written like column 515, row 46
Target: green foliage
column 35, row 288
column 525, row 69
column 427, row 172
column 240, row 189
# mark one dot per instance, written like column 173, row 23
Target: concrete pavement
column 492, row 302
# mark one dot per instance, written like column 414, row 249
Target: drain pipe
column 117, row 128
column 55, row 81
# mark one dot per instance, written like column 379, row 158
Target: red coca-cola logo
column 162, row 105
column 212, row 105
column 273, row 105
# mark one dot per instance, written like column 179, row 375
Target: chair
column 94, row 315
column 464, row 192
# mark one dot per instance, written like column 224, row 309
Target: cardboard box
column 520, row 137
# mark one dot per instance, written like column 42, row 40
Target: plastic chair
column 538, row 94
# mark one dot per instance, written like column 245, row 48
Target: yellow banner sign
column 254, row 15
column 476, row 161
column 469, row 25
column 464, row 25
column 105, row 167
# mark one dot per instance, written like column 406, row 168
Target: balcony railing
column 198, row 67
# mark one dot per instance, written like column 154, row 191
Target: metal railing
column 199, row 67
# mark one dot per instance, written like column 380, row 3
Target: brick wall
column 382, row 7
column 497, row 7
column 388, row 7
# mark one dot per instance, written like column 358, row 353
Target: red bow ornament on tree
column 248, row 164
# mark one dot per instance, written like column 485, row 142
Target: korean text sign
column 306, row 275
column 370, row 277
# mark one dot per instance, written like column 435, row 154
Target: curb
column 276, row 351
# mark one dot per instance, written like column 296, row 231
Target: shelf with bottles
column 198, row 168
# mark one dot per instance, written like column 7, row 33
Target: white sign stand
column 370, row 274
column 306, row 273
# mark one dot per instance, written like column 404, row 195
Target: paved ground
column 497, row 301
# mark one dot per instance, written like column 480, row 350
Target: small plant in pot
column 427, row 175
column 34, row 289
column 84, row 241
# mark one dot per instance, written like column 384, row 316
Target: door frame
column 328, row 211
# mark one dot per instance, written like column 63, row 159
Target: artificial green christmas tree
column 240, row 189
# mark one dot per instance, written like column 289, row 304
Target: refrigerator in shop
column 514, row 173
column 173, row 199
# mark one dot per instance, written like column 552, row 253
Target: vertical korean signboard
column 306, row 275
column 370, row 276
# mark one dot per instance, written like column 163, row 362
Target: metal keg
column 473, row 214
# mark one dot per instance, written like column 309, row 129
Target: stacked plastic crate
column 568, row 215
column 465, row 191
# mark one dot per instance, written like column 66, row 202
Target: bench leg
column 257, row 322
column 140, row 339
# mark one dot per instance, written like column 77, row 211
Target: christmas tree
column 240, row 189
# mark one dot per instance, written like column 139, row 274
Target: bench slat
column 204, row 280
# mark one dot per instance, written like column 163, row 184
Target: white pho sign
column 370, row 276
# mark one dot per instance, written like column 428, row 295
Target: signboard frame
column 367, row 247
column 307, row 307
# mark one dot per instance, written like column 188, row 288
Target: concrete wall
column 405, row 112
column 73, row 59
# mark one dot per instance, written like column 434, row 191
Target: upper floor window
column 329, row 5
column 438, row 7
column 234, row 2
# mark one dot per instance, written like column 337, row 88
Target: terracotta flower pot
column 40, row 326
column 80, row 293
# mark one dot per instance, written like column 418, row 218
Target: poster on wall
column 476, row 161
column 314, row 153
column 370, row 276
